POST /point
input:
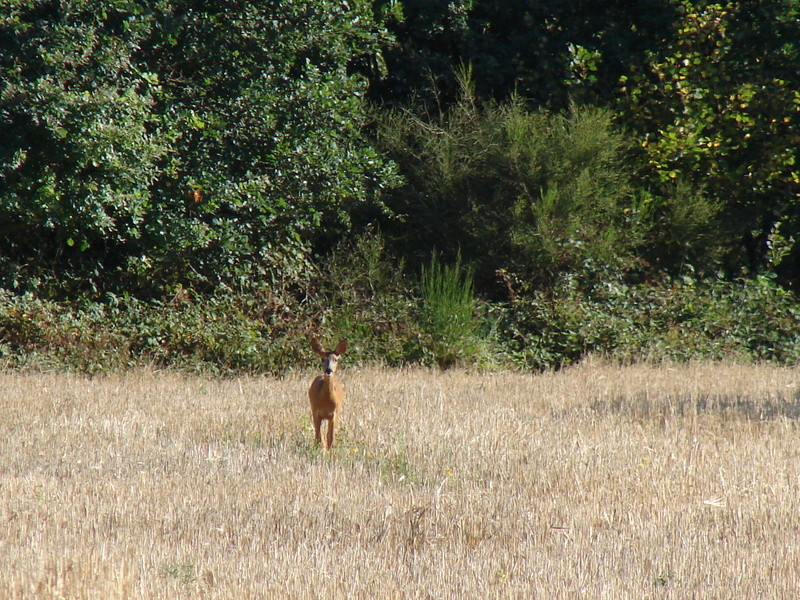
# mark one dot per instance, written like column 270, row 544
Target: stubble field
column 594, row 482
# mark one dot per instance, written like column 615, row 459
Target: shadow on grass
column 755, row 409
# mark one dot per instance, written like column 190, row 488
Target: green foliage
column 269, row 116
column 170, row 166
column 217, row 336
column 546, row 51
column 81, row 145
column 361, row 292
column 708, row 90
column 222, row 334
column 682, row 228
column 529, row 192
column 676, row 319
column 718, row 105
column 179, row 142
column 448, row 311
column 575, row 199
column 590, row 313
column 42, row 334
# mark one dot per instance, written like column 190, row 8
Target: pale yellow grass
column 595, row 482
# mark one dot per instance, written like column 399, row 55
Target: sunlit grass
column 594, row 482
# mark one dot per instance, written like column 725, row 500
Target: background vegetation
column 198, row 184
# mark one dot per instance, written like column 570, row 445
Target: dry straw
column 595, row 482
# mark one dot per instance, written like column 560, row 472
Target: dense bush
column 707, row 92
column 529, row 192
column 448, row 314
column 43, row 334
column 147, row 145
column 81, row 141
column 361, row 294
column 681, row 318
column 545, row 50
column 717, row 104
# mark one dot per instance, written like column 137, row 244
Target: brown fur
column 326, row 393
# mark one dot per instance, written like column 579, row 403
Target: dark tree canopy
column 180, row 140
column 148, row 144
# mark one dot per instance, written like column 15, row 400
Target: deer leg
column 331, row 426
column 317, row 424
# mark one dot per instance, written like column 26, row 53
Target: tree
column 544, row 51
column 148, row 144
column 718, row 106
column 269, row 114
column 80, row 143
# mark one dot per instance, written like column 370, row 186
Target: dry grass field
column 596, row 482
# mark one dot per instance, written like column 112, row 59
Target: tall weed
column 449, row 312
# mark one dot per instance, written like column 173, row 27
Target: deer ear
column 316, row 347
column 341, row 347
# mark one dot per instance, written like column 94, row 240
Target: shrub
column 362, row 292
column 448, row 310
column 674, row 319
column 527, row 191
column 150, row 144
column 42, row 334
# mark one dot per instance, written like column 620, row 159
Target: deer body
column 326, row 393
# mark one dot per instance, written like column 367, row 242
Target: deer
column 326, row 393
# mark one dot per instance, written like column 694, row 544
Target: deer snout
column 328, row 371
